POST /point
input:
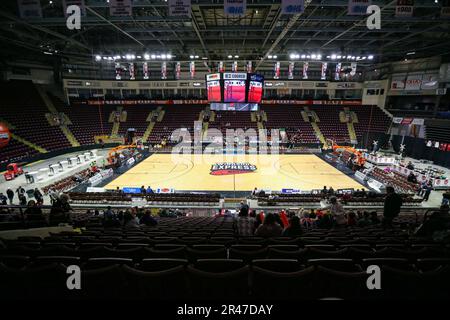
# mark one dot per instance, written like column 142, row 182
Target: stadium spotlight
column 370, row 57
column 230, row 56
column 191, row 57
column 169, row 56
column 319, row 56
column 153, row 56
column 236, row 56
column 116, row 57
column 196, row 57
column 98, row 58
column 339, row 57
column 313, row 56
column 275, row 57
column 292, row 56
column 270, row 57
column 163, row 56
column 146, row 56
column 303, row 56
column 333, row 57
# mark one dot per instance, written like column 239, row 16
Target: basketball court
column 234, row 172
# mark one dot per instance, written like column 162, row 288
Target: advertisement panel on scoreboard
column 234, row 85
column 255, row 88
column 214, row 87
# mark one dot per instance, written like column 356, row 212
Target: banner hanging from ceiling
column 179, row 8
column 292, row 6
column 234, row 66
column 145, row 70
column 29, row 9
column 291, row 70
column 358, row 7
column 276, row 74
column 234, row 7
column 192, row 69
column 249, row 67
column 177, row 70
column 337, row 72
column 118, row 71
column 404, row 8
column 305, row 70
column 120, row 8
column 323, row 72
column 220, row 67
column 132, row 71
column 164, row 70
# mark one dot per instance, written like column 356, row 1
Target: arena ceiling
column 324, row 28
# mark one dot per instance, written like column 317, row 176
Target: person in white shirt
column 337, row 211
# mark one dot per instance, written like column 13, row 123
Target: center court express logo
column 227, row 168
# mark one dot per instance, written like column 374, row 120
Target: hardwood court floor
column 273, row 172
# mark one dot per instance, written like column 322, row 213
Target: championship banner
column 29, row 9
column 234, row 66
column 192, row 69
column 5, row 135
column 353, row 67
column 398, row 82
column 305, row 70
column 207, row 66
column 118, row 71
column 164, row 70
column 80, row 3
column 292, row 6
column 234, row 7
column 276, row 74
column 220, row 67
column 358, row 7
column 323, row 74
column 430, row 82
column 180, row 8
column 132, row 72
column 413, row 82
column 120, row 8
column 249, row 67
column 337, row 73
column 404, row 8
column 145, row 70
column 445, row 10
column 177, row 70
column 291, row 70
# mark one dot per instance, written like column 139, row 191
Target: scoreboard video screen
column 235, row 88
column 255, row 88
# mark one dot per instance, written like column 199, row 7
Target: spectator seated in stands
column 351, row 219
column 437, row 221
column 364, row 220
column 147, row 219
column 294, row 229
column 130, row 220
column 410, row 166
column 412, row 177
column 60, row 212
column 374, row 217
column 324, row 221
column 149, row 190
column 3, row 199
column 33, row 211
column 244, row 223
column 269, row 227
